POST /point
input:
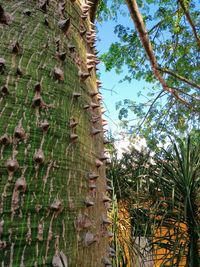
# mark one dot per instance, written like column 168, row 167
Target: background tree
column 163, row 50
column 52, row 176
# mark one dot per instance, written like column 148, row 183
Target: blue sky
column 110, row 80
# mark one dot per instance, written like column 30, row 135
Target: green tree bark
column 52, row 207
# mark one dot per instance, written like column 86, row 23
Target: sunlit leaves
column 175, row 48
column 109, row 10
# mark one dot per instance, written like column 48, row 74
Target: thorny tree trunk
column 52, row 176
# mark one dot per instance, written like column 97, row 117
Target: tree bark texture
column 52, row 166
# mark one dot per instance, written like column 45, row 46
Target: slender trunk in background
column 52, row 173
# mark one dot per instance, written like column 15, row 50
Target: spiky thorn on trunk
column 93, row 9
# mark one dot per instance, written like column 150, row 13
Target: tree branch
column 160, row 23
column 179, row 77
column 187, row 14
column 184, row 93
column 144, row 38
column 150, row 108
column 156, row 26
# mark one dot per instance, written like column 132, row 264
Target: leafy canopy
column 173, row 29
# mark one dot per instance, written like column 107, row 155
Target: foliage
column 176, row 49
column 126, row 250
column 156, row 121
column 109, row 10
column 163, row 195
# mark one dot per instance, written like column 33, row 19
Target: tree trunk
column 52, row 205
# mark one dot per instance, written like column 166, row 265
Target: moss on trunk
column 47, row 149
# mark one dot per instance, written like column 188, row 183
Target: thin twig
column 179, row 77
column 187, row 14
column 111, row 90
column 160, row 23
column 183, row 92
column 150, row 108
